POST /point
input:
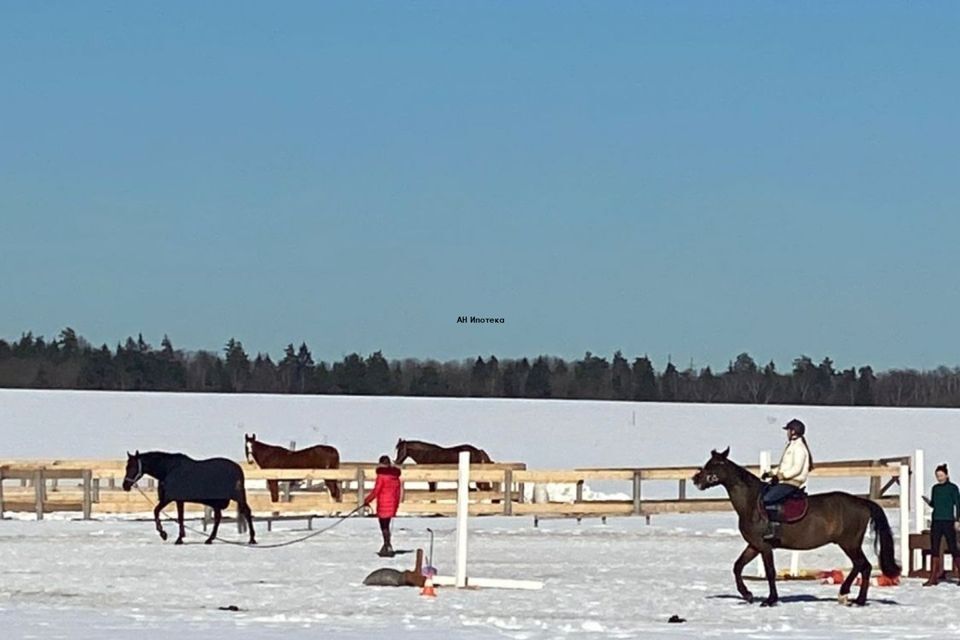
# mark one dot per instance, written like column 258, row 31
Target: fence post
column 507, row 492
column 874, row 482
column 904, row 514
column 920, row 519
column 87, row 493
column 96, row 489
column 38, row 491
column 463, row 512
column 207, row 516
column 683, row 489
column 765, row 465
column 360, row 491
column 579, row 497
column 637, row 500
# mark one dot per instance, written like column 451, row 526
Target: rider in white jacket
column 794, row 464
column 790, row 477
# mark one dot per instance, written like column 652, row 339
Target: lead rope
column 258, row 546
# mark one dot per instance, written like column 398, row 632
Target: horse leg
column 180, row 521
column 432, row 486
column 865, row 569
column 745, row 558
column 334, row 488
column 273, row 485
column 245, row 512
column 854, row 553
column 216, row 526
column 156, row 517
column 771, row 572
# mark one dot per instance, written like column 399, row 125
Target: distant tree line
column 70, row 362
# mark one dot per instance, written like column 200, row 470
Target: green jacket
column 945, row 499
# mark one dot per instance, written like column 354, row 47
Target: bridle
column 139, row 473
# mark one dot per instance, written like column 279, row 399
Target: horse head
column 716, row 471
column 134, row 470
column 248, row 441
column 401, row 451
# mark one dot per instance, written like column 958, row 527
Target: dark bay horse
column 429, row 453
column 268, row 456
column 832, row 518
column 214, row 483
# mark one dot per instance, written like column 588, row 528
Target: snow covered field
column 621, row 580
column 73, row 579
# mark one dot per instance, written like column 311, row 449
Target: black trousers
column 939, row 530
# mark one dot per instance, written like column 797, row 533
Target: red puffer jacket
column 386, row 492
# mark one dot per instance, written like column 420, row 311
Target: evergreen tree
column 644, row 381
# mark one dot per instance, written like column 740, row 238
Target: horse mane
column 743, row 474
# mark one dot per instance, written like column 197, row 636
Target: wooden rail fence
column 92, row 487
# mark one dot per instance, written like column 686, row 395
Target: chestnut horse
column 429, row 453
column 268, row 456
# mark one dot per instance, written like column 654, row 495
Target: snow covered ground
column 80, row 580
column 72, row 579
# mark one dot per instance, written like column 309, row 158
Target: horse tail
column 883, row 540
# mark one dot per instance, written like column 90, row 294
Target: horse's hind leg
column 217, row 513
column 865, row 569
column 333, row 487
column 745, row 558
column 244, row 510
column 861, row 566
column 274, row 487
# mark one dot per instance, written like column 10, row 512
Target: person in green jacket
column 945, row 500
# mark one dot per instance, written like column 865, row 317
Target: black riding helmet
column 798, row 427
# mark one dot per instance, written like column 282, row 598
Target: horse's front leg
column 216, row 526
column 180, row 521
column 274, row 487
column 156, row 518
column 745, row 558
column 771, row 572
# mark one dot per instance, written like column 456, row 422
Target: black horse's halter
column 139, row 473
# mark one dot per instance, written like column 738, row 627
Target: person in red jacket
column 386, row 492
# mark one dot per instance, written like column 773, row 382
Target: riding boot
column 386, row 543
column 772, row 534
column 936, row 564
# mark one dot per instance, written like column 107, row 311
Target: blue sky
column 692, row 179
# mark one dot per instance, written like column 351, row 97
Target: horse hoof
column 253, row 542
column 860, row 603
column 768, row 603
column 179, row 541
column 748, row 598
column 163, row 535
column 208, row 541
column 844, row 600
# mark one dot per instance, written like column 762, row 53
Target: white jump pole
column 919, row 506
column 463, row 506
column 765, row 466
column 905, row 513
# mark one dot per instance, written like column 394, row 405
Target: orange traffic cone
column 428, row 589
